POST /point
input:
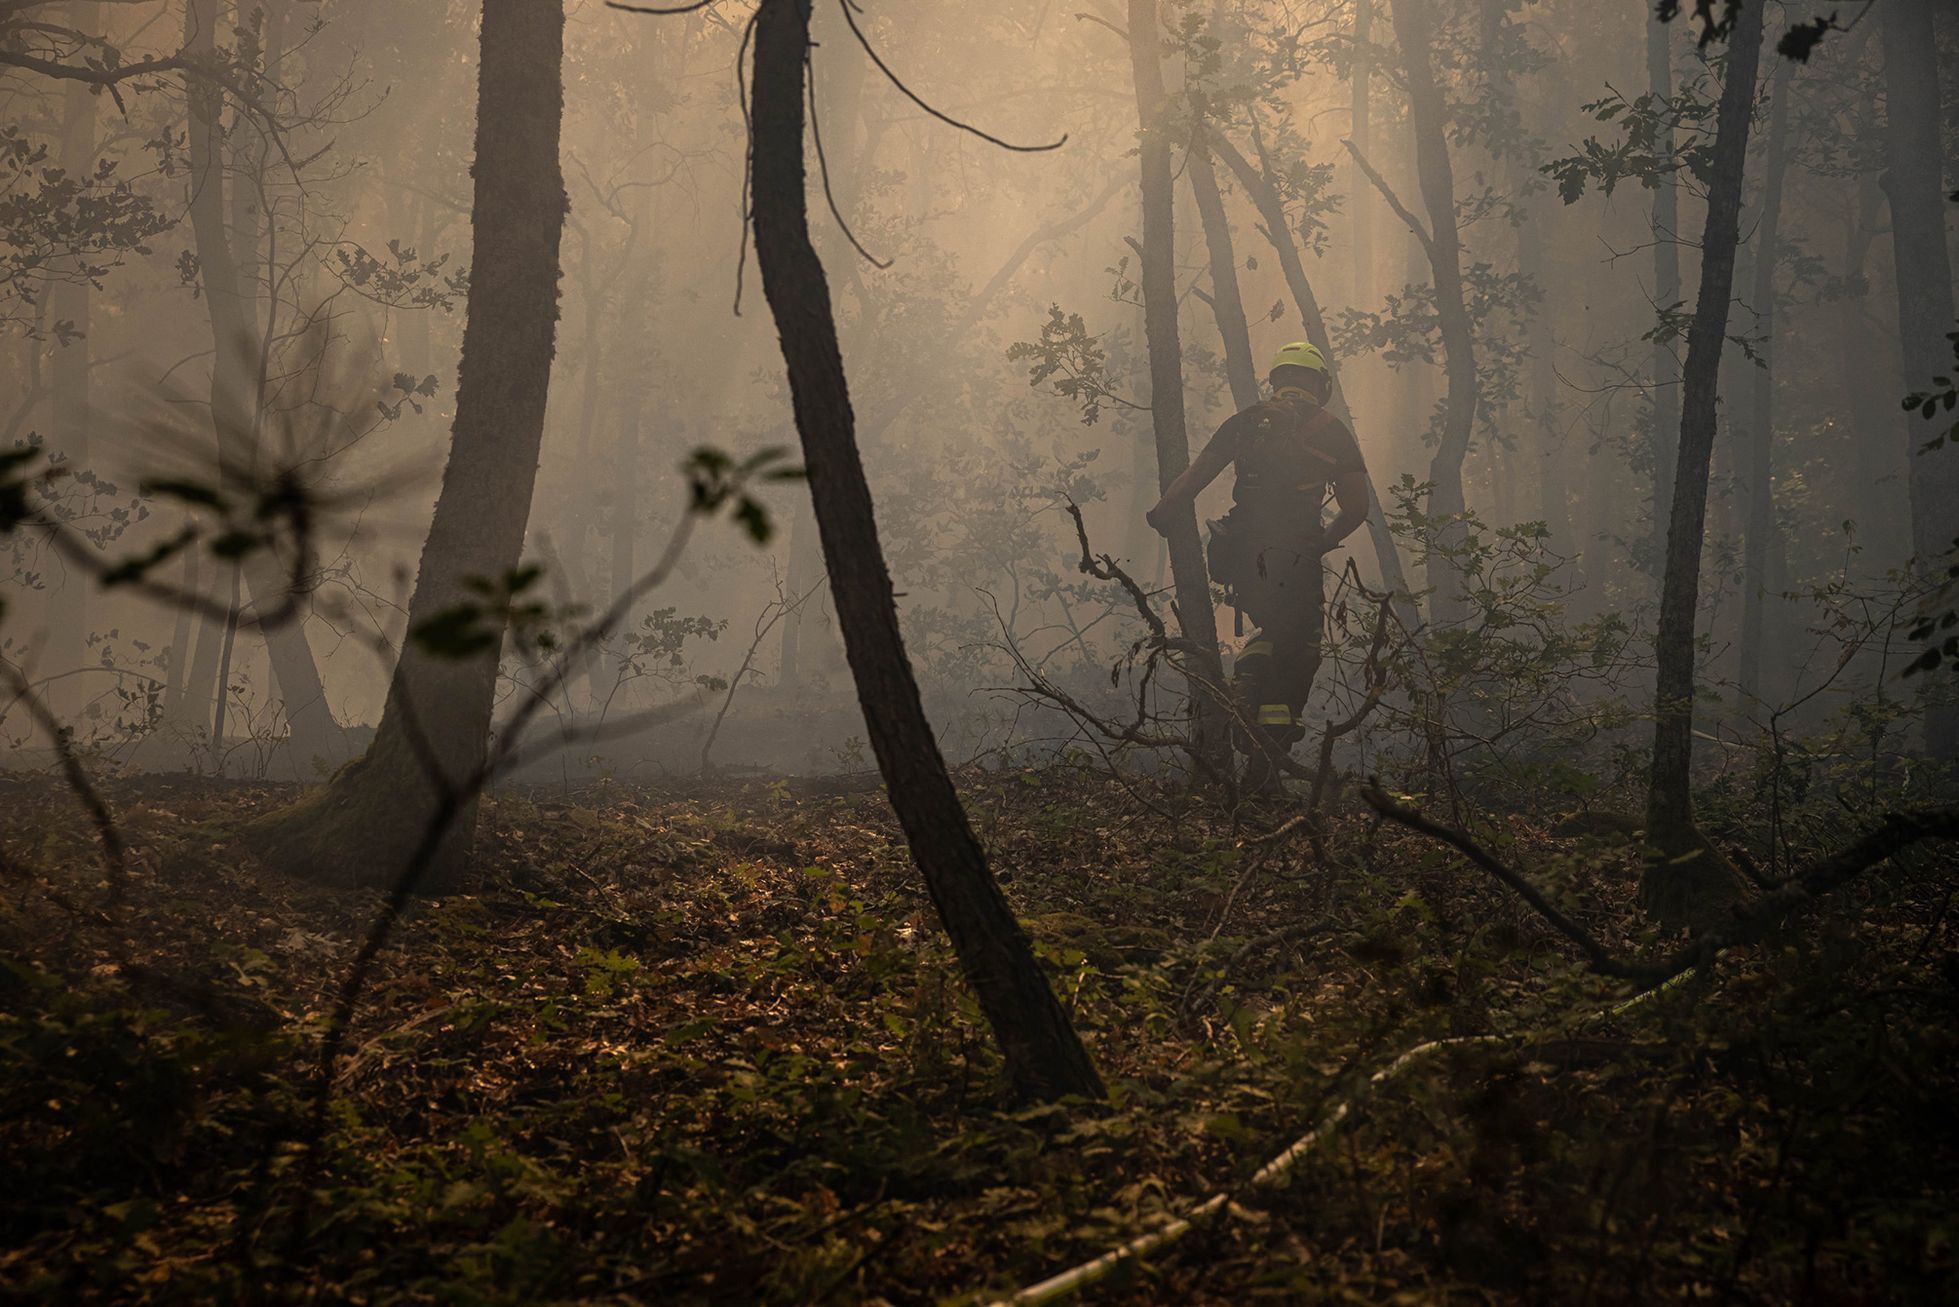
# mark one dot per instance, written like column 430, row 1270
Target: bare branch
column 1394, row 201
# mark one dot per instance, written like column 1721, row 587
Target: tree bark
column 361, row 828
column 1758, row 451
column 1044, row 1058
column 1666, row 284
column 1913, row 160
column 1196, row 614
column 1428, row 116
column 1689, row 872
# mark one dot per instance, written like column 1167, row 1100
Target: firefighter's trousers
column 1274, row 672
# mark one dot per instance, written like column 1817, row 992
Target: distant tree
column 238, row 390
column 1666, row 273
column 362, row 826
column 1428, row 118
column 1689, row 875
column 1760, row 535
column 70, row 304
column 1196, row 612
column 1914, row 181
column 1044, row 1057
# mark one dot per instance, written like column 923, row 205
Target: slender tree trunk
column 1044, row 1058
column 361, row 828
column 1196, row 615
column 1227, row 303
column 1689, row 872
column 1547, row 445
column 1867, row 393
column 1913, row 159
column 809, row 635
column 625, row 493
column 1758, row 450
column 1428, row 115
column 174, row 675
column 1363, row 127
column 1666, row 283
column 236, row 394
column 223, row 703
column 69, row 304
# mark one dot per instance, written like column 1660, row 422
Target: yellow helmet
column 1300, row 354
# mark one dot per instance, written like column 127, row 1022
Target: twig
column 773, row 614
column 114, row 852
column 850, row 16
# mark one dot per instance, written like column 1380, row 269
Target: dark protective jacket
column 1288, row 450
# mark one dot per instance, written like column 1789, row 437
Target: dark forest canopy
column 801, row 650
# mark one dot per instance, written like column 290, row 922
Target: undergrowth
column 707, row 1044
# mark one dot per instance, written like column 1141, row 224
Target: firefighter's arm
column 1213, row 459
column 1350, row 492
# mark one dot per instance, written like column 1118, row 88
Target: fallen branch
column 1267, row 1176
column 1898, row 831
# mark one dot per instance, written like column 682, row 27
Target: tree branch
column 1898, row 831
column 1394, row 201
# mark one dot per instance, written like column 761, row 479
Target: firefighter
column 1287, row 451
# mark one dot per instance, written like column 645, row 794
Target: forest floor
column 706, row 1043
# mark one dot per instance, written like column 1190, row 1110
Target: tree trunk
column 1428, row 116
column 1758, row 451
column 1913, row 160
column 1868, row 393
column 1278, row 233
column 625, row 492
column 1666, row 285
column 1196, row 615
column 1689, row 874
column 69, row 303
column 1227, row 303
column 236, row 395
column 174, row 674
column 361, row 828
column 1553, row 506
column 1363, row 127
column 1044, row 1058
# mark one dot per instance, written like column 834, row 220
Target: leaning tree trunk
column 1272, row 214
column 363, row 826
column 1666, row 280
column 1428, row 116
column 1758, row 449
column 1044, row 1058
column 1196, row 615
column 236, row 397
column 1227, row 303
column 1913, row 180
column 1689, row 876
